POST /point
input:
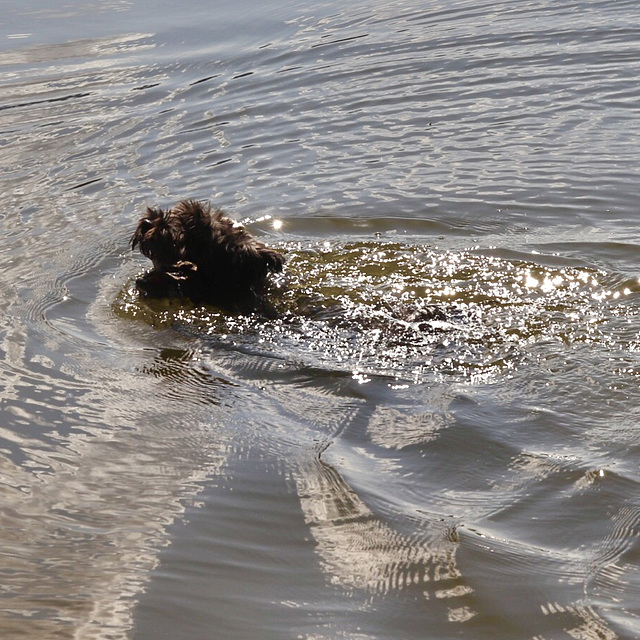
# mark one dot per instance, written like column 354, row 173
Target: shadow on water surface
column 357, row 391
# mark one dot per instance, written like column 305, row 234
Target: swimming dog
column 200, row 253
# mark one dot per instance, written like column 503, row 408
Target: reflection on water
column 355, row 310
column 436, row 436
column 86, row 505
column 359, row 551
column 408, row 311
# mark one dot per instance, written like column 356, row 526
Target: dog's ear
column 145, row 224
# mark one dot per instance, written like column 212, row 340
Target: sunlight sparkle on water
column 360, row 377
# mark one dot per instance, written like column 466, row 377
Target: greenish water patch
column 406, row 311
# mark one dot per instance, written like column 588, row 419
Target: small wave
column 406, row 311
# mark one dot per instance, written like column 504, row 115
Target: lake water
column 359, row 472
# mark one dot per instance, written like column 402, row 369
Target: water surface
column 355, row 468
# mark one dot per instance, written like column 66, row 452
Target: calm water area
column 349, row 469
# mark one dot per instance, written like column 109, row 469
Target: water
column 355, row 468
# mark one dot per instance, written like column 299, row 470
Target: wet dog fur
column 199, row 253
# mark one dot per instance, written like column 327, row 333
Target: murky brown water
column 356, row 468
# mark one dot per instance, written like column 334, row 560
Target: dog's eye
column 145, row 225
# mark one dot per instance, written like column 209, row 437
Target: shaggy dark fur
column 199, row 253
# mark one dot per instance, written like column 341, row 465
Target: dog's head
column 161, row 237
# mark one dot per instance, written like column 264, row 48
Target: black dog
column 201, row 254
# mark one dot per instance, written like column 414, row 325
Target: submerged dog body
column 199, row 253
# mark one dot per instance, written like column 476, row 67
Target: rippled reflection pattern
column 437, row 435
column 390, row 316
column 412, row 312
